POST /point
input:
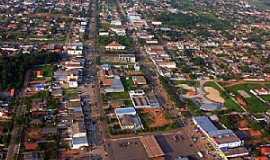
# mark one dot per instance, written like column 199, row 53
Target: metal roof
column 205, row 124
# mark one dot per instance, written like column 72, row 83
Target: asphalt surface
column 17, row 131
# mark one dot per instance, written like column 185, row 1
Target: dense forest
column 13, row 68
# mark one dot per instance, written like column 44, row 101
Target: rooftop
column 151, row 146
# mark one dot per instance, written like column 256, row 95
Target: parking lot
column 176, row 144
column 172, row 144
column 126, row 149
column 201, row 142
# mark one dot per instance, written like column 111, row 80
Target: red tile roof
column 265, row 150
column 31, row 146
column 261, row 158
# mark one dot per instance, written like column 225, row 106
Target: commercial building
column 224, row 140
column 128, row 118
column 152, row 147
column 141, row 100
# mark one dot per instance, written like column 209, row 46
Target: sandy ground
column 158, row 117
column 186, row 87
column 213, row 95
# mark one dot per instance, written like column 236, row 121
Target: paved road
column 93, row 89
column 20, row 111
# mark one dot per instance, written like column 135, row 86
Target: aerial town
column 135, row 80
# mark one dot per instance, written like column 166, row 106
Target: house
column 57, row 93
column 73, row 84
column 118, row 58
column 155, row 50
column 265, row 150
column 262, row 91
column 115, row 46
column 39, row 73
column 128, row 58
column 103, row 33
column 116, row 86
column 262, row 158
column 167, row 64
column 137, row 67
column 79, row 142
column 156, row 23
column 75, row 49
column 116, row 22
column 73, row 65
column 119, row 31
column 139, row 80
column 31, row 146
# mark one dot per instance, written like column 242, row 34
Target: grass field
column 118, row 96
column 48, row 70
column 266, row 98
column 254, row 104
column 188, row 82
column 229, row 102
column 128, row 83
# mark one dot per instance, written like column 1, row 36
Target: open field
column 157, row 117
column 119, row 96
column 186, row 87
column 254, row 104
column 128, row 83
column 192, row 83
column 266, row 98
column 228, row 99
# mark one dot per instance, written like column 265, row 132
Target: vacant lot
column 156, row 117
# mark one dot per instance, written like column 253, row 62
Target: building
column 73, row 65
column 79, row 137
column 116, row 86
column 152, row 147
column 128, row 118
column 75, row 49
column 115, row 46
column 141, row 100
column 39, row 73
column 78, row 142
column 167, row 64
column 139, row 80
column 119, row 31
column 224, row 140
column 118, row 58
